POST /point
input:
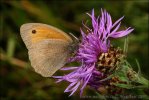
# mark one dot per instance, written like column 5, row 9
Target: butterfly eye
column 33, row 31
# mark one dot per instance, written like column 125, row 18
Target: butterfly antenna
column 74, row 37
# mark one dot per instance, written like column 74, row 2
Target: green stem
column 143, row 81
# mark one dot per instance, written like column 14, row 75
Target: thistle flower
column 93, row 45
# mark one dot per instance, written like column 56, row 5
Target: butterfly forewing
column 43, row 32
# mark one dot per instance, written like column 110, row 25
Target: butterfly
column 48, row 47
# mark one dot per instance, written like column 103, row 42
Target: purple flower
column 92, row 45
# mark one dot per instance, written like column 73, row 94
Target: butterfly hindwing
column 48, row 56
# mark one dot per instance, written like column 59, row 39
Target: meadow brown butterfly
column 48, row 47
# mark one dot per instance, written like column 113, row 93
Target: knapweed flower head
column 93, row 44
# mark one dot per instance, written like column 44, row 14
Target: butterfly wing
column 48, row 56
column 48, row 47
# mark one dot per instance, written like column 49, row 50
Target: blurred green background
column 19, row 81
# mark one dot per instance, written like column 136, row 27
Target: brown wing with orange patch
column 48, row 47
column 35, row 32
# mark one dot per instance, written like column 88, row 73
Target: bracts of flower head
column 98, row 59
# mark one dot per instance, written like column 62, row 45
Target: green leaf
column 126, row 45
